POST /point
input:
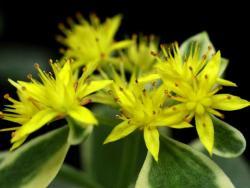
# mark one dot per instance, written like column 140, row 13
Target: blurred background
column 28, row 30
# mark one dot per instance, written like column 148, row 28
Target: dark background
column 33, row 25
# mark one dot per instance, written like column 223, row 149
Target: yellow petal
column 181, row 125
column 170, row 119
column 121, row 44
column 120, row 131
column 226, row 82
column 83, row 116
column 149, row 78
column 18, row 143
column 93, row 87
column 228, row 102
column 151, row 137
column 65, row 73
column 205, row 129
column 37, row 121
column 210, row 73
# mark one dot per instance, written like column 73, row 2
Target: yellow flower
column 139, row 54
column 90, row 42
column 56, row 96
column 195, row 83
column 143, row 109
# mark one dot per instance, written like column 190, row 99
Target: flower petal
column 228, row 102
column 83, row 116
column 224, row 82
column 205, row 129
column 121, row 44
column 36, row 122
column 93, row 87
column 18, row 143
column 149, row 78
column 65, row 73
column 210, row 73
column 151, row 137
column 181, row 125
column 120, row 131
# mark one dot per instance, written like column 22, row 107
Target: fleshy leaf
column 202, row 39
column 116, row 164
column 237, row 169
column 229, row 142
column 69, row 177
column 181, row 166
column 77, row 133
column 36, row 163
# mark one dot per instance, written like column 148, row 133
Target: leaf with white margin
column 37, row 162
column 237, row 169
column 77, row 133
column 181, row 166
column 203, row 40
column 228, row 141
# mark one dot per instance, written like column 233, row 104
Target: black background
column 35, row 23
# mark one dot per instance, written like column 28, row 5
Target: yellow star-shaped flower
column 194, row 84
column 143, row 109
column 92, row 42
column 58, row 95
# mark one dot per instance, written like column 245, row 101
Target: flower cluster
column 151, row 89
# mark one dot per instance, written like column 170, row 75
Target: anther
column 37, row 66
column 204, row 57
column 153, row 53
column 209, row 47
column 206, row 76
column 29, row 76
column 190, row 68
column 176, row 85
column 6, row 96
column 229, row 97
column 154, row 112
column 121, row 89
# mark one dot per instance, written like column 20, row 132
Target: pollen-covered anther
column 13, row 134
column 1, row 114
column 176, row 85
column 154, row 112
column 6, row 96
column 209, row 47
column 153, row 53
column 204, row 57
column 37, row 66
column 190, row 68
column 29, row 76
column 206, row 76
column 229, row 97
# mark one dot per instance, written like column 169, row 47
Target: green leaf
column 223, row 65
column 237, row 169
column 229, row 142
column 36, row 163
column 68, row 177
column 181, row 166
column 116, row 164
column 77, row 133
column 202, row 39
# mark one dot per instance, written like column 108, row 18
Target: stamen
column 37, row 66
column 229, row 97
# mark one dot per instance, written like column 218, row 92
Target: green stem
column 76, row 177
